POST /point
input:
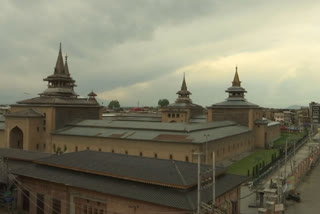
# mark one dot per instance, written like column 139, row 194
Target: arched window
column 170, row 157
column 187, row 159
column 76, row 149
column 141, row 154
column 155, row 155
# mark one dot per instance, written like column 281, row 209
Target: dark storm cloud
column 119, row 45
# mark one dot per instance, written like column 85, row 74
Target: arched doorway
column 16, row 138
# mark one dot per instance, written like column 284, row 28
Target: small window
column 126, row 152
column 38, row 129
column 76, row 149
column 112, row 150
column 169, row 115
column 170, row 157
column 56, row 206
column 44, row 146
column 54, row 147
column 101, row 212
column 187, row 158
column 88, row 148
column 178, row 115
column 155, row 155
column 173, row 115
column 95, row 211
column 141, row 154
column 40, row 204
column 100, row 150
column 37, row 146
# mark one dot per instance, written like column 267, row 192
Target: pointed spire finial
column 66, row 57
column 59, row 69
column 236, row 81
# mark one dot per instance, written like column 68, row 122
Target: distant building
column 314, row 109
column 279, row 117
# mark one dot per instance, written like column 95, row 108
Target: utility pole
column 199, row 182
column 206, row 152
column 285, row 160
column 213, row 180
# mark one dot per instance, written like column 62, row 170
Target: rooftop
column 163, row 132
column 60, row 169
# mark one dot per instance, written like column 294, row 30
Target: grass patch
column 293, row 137
column 241, row 167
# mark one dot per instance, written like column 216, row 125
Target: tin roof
column 164, row 132
column 59, row 172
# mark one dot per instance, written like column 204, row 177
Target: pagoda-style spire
column 184, row 90
column 59, row 69
column 66, row 67
column 236, row 91
column 60, row 83
column 236, row 81
column 183, row 93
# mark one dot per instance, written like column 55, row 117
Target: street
column 309, row 190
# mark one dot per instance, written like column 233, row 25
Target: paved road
column 310, row 194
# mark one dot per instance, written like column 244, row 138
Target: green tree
column 163, row 102
column 114, row 104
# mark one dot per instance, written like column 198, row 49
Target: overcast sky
column 138, row 50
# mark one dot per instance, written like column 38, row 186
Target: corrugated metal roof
column 273, row 123
column 154, row 126
column 174, row 132
column 161, row 195
column 141, row 169
column 22, row 154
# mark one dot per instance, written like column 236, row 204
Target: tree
column 114, row 104
column 163, row 102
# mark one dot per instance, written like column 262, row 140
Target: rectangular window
column 56, row 206
column 40, row 204
column 25, row 200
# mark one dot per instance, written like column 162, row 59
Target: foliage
column 59, row 151
column 114, row 104
column 163, row 102
column 250, row 163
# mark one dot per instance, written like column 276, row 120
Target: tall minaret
column 60, row 83
column 236, row 91
column 184, row 93
column 182, row 110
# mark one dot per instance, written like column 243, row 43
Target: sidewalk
column 301, row 167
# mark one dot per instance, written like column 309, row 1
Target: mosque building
column 59, row 121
